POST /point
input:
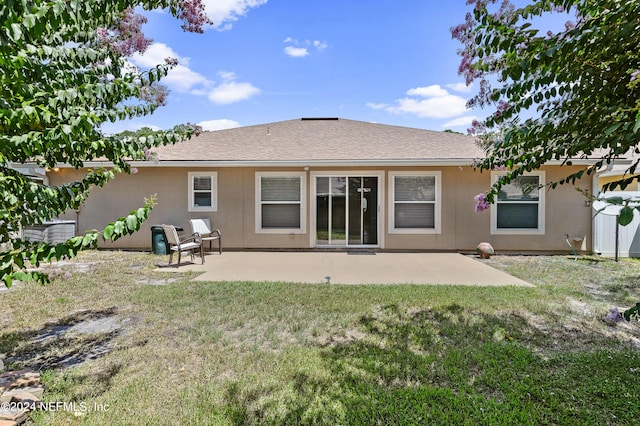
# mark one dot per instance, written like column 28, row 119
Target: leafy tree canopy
column 579, row 85
column 64, row 72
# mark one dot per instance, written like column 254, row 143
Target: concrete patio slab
column 350, row 268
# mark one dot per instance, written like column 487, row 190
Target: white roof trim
column 617, row 171
column 292, row 163
column 314, row 163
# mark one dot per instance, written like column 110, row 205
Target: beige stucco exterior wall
column 565, row 213
column 461, row 228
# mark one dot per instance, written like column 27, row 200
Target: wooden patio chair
column 180, row 244
column 202, row 227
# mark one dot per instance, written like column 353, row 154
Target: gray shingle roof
column 323, row 140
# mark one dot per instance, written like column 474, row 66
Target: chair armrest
column 217, row 231
column 195, row 237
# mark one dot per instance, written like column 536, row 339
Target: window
column 519, row 206
column 280, row 202
column 414, row 202
column 203, row 192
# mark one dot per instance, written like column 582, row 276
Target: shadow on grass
column 455, row 367
column 64, row 343
column 82, row 336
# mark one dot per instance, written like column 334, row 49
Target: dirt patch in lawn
column 588, row 287
column 84, row 335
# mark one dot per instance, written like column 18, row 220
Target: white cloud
column 460, row 87
column 300, row 49
column 155, row 54
column 200, row 91
column 221, row 124
column 426, row 102
column 180, row 78
column 320, row 45
column 373, row 105
column 224, row 12
column 436, row 107
column 428, row 91
column 296, row 52
column 227, row 75
column 229, row 91
column 183, row 79
column 464, row 121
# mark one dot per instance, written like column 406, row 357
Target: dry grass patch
column 165, row 350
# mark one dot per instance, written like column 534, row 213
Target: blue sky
column 384, row 61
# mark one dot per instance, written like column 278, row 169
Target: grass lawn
column 164, row 350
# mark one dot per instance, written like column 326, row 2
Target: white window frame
column 495, row 175
column 303, row 203
column 214, row 192
column 437, row 210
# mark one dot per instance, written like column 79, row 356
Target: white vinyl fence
column 604, row 237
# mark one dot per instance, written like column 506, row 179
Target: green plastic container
column 159, row 243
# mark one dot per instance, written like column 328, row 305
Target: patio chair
column 180, row 244
column 203, row 228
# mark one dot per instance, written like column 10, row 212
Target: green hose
column 575, row 255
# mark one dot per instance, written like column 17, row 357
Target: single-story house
column 315, row 183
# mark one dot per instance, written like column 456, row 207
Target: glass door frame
column 313, row 194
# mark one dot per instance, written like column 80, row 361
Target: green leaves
column 626, row 216
column 129, row 224
column 632, row 313
column 637, row 125
column 612, row 128
column 59, row 81
column 132, row 223
column 628, row 206
column 580, row 87
column 13, row 263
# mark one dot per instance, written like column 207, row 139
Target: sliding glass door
column 346, row 210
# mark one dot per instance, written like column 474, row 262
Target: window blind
column 414, row 215
column 280, row 188
column 415, row 188
column 280, row 199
